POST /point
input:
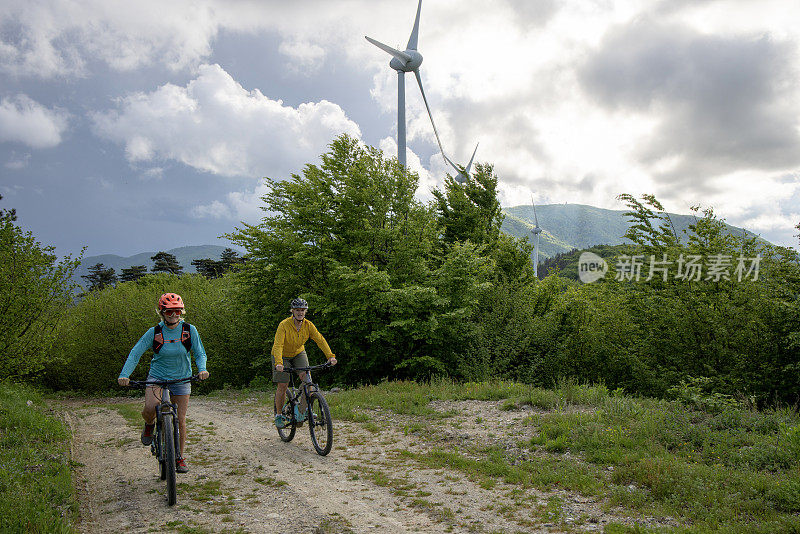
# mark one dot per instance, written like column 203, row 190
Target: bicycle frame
column 165, row 408
column 316, row 409
column 304, row 387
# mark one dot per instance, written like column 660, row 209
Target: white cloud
column 214, row 210
column 304, row 56
column 238, row 206
column 513, row 77
column 59, row 38
column 214, row 125
column 25, row 121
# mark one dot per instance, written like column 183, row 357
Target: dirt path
column 244, row 479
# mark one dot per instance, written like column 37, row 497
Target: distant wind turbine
column 536, row 231
column 410, row 61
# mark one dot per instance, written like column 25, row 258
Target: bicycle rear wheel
column 287, row 433
column 319, row 424
column 168, row 464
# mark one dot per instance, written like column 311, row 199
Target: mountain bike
column 318, row 416
column 166, row 436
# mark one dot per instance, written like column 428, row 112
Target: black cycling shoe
column 147, row 434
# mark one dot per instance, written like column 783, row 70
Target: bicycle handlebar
column 310, row 368
column 145, row 383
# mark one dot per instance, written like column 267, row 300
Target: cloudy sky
column 136, row 126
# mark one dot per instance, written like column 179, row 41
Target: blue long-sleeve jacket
column 172, row 361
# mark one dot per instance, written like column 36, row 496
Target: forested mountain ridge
column 184, row 255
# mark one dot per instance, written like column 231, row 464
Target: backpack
column 186, row 338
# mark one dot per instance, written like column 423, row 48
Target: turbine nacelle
column 407, row 66
column 462, row 173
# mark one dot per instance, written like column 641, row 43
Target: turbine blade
column 472, row 158
column 419, row 82
column 402, row 56
column 412, row 40
column 460, row 177
column 535, row 218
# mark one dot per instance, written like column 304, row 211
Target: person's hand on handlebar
column 202, row 375
column 123, row 381
column 332, row 361
column 279, row 368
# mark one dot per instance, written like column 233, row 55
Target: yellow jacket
column 291, row 342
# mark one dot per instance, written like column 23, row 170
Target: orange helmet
column 170, row 301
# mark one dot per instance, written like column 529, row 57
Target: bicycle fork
column 162, row 409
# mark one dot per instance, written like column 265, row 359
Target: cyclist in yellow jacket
column 289, row 347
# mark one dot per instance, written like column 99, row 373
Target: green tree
column 391, row 287
column 7, row 215
column 209, row 268
column 133, row 273
column 733, row 332
column 100, row 277
column 470, row 211
column 87, row 358
column 164, row 262
column 797, row 227
column 35, row 287
column 350, row 236
column 230, row 259
column 651, row 230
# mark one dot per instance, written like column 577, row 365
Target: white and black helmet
column 298, row 303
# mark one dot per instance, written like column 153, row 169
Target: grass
column 334, row 523
column 711, row 467
column 35, row 479
column 413, row 398
column 269, row 481
column 204, row 491
column 131, row 412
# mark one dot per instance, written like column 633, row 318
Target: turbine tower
column 409, row 61
column 536, row 231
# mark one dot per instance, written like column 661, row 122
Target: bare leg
column 152, row 398
column 280, row 396
column 303, row 404
column 182, row 402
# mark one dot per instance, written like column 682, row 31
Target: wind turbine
column 409, row 61
column 536, row 231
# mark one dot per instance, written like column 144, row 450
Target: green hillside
column 576, row 226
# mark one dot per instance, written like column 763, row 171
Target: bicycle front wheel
column 168, row 448
column 319, row 423
column 287, row 433
column 158, row 448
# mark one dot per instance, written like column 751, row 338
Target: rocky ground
column 243, row 478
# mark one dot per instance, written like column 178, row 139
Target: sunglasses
column 172, row 312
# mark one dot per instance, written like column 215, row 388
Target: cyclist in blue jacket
column 172, row 341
